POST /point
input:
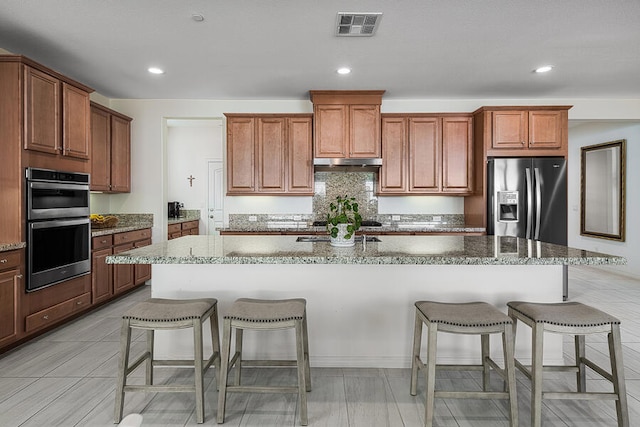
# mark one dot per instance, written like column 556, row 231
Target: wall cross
column 191, row 178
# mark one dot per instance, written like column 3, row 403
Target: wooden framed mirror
column 602, row 190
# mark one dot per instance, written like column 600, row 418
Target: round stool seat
column 169, row 310
column 570, row 314
column 470, row 314
column 259, row 310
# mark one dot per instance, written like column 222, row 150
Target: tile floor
column 67, row 377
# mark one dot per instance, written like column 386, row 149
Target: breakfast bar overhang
column 360, row 299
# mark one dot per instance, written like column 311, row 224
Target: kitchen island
column 360, row 299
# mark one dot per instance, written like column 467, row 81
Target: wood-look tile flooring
column 67, row 377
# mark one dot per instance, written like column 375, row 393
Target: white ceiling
column 280, row 49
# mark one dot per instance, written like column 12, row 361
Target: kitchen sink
column 315, row 239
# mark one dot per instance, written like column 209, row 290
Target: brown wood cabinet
column 11, row 287
column 109, row 280
column 45, row 115
column 101, row 272
column 124, row 276
column 269, row 154
column 525, row 131
column 426, row 154
column 346, row 123
column 110, row 150
column 180, row 229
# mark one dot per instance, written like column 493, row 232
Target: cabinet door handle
column 45, row 317
column 3, row 261
column 78, row 302
column 103, row 241
column 18, row 276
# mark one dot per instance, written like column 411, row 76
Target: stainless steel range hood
column 347, row 165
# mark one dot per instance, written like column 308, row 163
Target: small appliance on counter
column 174, row 209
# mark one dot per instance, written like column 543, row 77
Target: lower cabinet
column 11, row 286
column 180, row 229
column 109, row 280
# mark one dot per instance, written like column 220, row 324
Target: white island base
column 360, row 315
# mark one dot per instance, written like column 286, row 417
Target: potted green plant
column 343, row 220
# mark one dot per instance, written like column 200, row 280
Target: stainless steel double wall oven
column 58, row 227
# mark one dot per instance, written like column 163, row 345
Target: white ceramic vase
column 340, row 240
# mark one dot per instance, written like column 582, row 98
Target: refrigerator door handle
column 529, row 202
column 538, row 203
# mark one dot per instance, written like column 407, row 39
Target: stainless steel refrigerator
column 527, row 197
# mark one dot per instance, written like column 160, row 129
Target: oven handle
column 57, row 186
column 59, row 223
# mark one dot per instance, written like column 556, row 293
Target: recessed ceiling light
column 155, row 70
column 544, row 69
column 198, row 17
column 344, row 70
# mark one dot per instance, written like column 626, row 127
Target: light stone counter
column 429, row 250
column 360, row 299
column 5, row 247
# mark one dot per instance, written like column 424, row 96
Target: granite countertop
column 5, row 247
column 303, row 228
column 424, row 249
column 119, row 229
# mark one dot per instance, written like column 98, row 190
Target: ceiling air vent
column 351, row 24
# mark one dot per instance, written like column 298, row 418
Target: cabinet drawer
column 190, row 225
column 174, row 228
column 9, row 260
column 101, row 242
column 59, row 311
column 142, row 243
column 131, row 236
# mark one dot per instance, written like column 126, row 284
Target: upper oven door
column 49, row 200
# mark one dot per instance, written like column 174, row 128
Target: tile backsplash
column 361, row 185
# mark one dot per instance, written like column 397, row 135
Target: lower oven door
column 57, row 250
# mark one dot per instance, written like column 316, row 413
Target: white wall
column 190, row 145
column 584, row 134
column 149, row 180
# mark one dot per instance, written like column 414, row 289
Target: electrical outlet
column 395, row 217
column 253, row 218
column 437, row 218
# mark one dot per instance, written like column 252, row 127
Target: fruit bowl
column 99, row 221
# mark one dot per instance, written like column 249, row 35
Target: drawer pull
column 103, row 241
column 78, row 302
column 3, row 261
column 45, row 317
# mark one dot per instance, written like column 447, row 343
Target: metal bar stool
column 477, row 318
column 572, row 318
column 157, row 313
column 246, row 313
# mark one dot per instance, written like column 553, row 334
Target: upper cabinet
column 269, row 154
column 346, row 123
column 526, row 131
column 110, row 150
column 56, row 115
column 426, row 154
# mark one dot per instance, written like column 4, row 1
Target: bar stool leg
column 617, row 373
column 510, row 370
column 197, row 364
column 123, row 366
column 484, row 345
column 307, row 366
column 536, row 376
column 238, row 352
column 224, row 369
column 581, row 375
column 149, row 364
column 432, row 338
column 417, row 343
column 215, row 342
column 302, row 388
